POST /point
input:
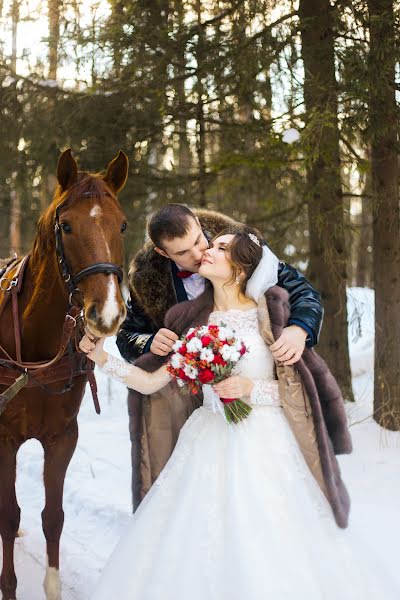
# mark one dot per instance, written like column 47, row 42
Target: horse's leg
column 57, row 456
column 9, row 517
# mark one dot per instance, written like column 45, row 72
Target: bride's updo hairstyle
column 244, row 252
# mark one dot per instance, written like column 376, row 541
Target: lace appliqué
column 265, row 392
column 241, row 321
column 116, row 368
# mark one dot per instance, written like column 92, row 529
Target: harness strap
column 12, row 391
column 17, row 330
column 93, row 388
column 14, row 282
column 68, row 328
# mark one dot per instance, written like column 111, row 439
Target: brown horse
column 89, row 224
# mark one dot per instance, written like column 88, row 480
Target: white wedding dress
column 236, row 513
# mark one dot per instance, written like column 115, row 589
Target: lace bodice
column 257, row 364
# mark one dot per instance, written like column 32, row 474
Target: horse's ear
column 117, row 172
column 67, row 170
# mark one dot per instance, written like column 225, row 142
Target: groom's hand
column 289, row 347
column 163, row 342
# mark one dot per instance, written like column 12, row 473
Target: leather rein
column 62, row 366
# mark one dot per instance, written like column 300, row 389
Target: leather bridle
column 70, row 280
column 73, row 324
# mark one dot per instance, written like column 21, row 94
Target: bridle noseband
column 71, row 280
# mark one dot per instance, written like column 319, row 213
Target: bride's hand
column 94, row 349
column 235, row 386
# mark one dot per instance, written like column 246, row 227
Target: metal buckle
column 11, row 283
column 71, row 295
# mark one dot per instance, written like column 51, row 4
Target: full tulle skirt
column 237, row 515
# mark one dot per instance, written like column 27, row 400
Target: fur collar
column 150, row 275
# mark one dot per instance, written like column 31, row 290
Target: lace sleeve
column 134, row 377
column 266, row 392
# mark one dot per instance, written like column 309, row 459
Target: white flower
column 238, row 345
column 177, row 361
column 190, row 371
column 191, row 330
column 180, row 382
column 177, row 346
column 194, row 345
column 225, row 333
column 207, row 354
column 229, row 353
column 203, row 331
column 222, row 334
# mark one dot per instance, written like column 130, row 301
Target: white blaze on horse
column 71, row 277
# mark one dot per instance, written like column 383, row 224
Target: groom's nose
column 197, row 254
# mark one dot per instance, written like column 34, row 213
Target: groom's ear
column 161, row 251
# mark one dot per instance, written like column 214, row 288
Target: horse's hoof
column 52, row 584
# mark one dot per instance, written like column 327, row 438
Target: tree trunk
column 327, row 266
column 386, row 224
column 15, row 218
column 117, row 20
column 15, row 198
column 201, row 132
column 14, row 30
column 363, row 261
column 54, row 36
column 183, row 153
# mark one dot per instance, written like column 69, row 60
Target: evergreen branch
column 219, row 17
column 352, row 150
column 268, row 27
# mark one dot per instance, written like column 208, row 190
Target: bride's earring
column 237, row 280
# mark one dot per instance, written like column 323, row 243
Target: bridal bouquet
column 207, row 355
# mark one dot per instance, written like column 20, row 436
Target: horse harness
column 18, row 374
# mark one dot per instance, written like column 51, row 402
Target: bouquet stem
column 236, row 411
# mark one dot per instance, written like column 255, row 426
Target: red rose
column 227, row 400
column 182, row 350
column 206, row 339
column 218, row 360
column 243, row 350
column 206, row 376
column 182, row 375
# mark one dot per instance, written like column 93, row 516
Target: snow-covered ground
column 97, row 489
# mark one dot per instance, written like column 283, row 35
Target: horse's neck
column 43, row 305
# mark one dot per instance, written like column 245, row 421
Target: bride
column 255, row 510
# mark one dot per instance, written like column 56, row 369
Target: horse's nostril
column 92, row 313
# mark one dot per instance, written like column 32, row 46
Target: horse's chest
column 34, row 413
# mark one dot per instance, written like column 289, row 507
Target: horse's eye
column 66, row 227
column 123, row 227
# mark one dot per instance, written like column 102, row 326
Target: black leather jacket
column 137, row 331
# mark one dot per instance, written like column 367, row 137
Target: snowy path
column 97, row 488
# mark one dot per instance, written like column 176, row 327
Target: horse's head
column 89, row 227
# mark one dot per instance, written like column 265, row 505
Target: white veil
column 264, row 276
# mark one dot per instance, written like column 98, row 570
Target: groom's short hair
column 169, row 222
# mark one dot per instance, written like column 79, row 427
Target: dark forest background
column 282, row 114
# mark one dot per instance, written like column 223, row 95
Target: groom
column 162, row 274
